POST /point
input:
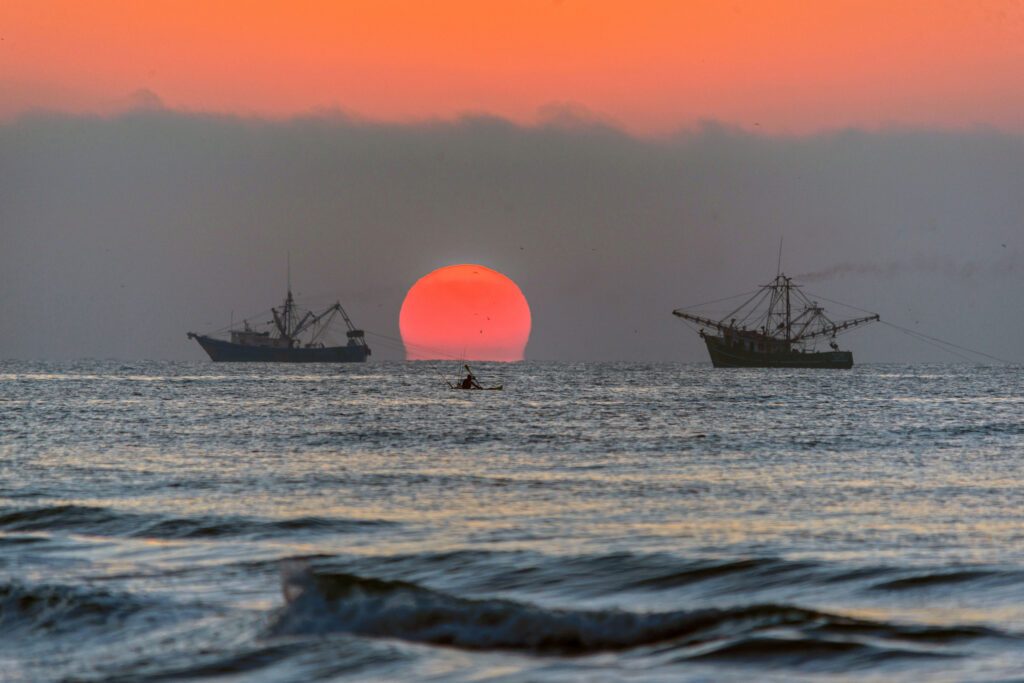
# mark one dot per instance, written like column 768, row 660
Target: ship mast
column 285, row 320
column 789, row 315
column 289, row 302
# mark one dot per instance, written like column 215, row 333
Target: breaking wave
column 320, row 602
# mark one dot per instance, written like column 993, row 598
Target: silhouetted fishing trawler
column 292, row 336
column 777, row 327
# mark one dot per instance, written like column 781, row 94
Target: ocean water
column 176, row 521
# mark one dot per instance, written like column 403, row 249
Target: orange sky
column 650, row 67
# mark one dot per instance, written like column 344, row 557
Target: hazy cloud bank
column 118, row 235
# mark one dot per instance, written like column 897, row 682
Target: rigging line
column 740, row 307
column 840, row 303
column 444, row 355
column 924, row 339
column 383, row 336
column 760, row 317
column 915, row 332
column 245, row 319
column 691, row 325
column 717, row 301
column 389, row 345
column 942, row 341
column 443, row 378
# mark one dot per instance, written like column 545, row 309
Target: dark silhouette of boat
column 777, row 327
column 292, row 336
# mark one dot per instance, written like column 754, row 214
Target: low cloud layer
column 118, row 235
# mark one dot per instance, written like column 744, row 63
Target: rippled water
column 591, row 521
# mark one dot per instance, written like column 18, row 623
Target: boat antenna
column 778, row 267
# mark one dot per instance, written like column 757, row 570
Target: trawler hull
column 225, row 351
column 724, row 355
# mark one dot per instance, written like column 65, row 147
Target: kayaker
column 470, row 381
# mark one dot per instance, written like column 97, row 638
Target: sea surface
column 590, row 522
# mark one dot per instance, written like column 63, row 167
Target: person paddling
column 470, row 381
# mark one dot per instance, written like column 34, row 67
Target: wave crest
column 100, row 521
column 323, row 601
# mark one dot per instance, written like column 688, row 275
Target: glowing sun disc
column 466, row 312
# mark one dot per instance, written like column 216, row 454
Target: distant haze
column 118, row 235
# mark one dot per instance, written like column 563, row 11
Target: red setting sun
column 466, row 311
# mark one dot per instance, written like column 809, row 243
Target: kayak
column 497, row 388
